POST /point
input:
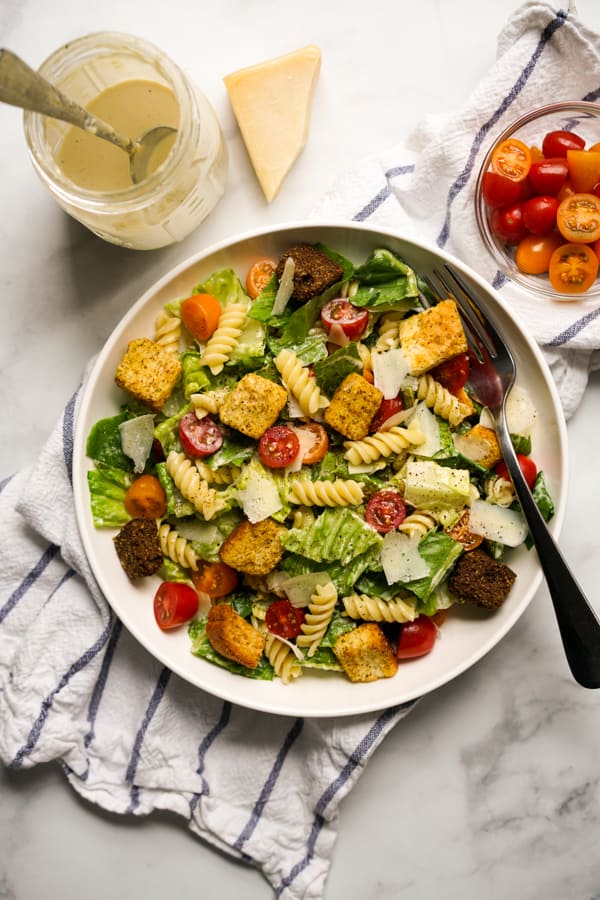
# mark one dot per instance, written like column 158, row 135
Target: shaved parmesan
column 260, row 498
column 520, row 412
column 390, row 368
column 427, row 423
column 286, row 287
column 337, row 335
column 197, row 531
column 300, row 588
column 137, row 437
column 497, row 523
column 400, row 558
column 306, row 441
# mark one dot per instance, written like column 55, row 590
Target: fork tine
column 472, row 317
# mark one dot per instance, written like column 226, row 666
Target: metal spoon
column 22, row 86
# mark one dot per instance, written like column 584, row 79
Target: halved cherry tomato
column 567, row 190
column 584, row 169
column 534, row 252
column 452, row 374
column 498, row 190
column 416, row 638
column 200, row 314
column 512, row 159
column 284, row 619
column 385, row 511
column 507, row 223
column 573, row 268
column 145, row 498
column 199, row 437
column 351, row 319
column 387, row 408
column 596, row 248
column 539, row 214
column 460, row 532
column 558, row 143
column 320, row 444
column 259, row 276
column 278, row 447
column 547, row 176
column 174, row 604
column 578, row 218
column 216, row 579
column 527, row 466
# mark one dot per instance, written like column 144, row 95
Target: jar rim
column 64, row 60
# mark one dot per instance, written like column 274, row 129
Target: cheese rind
column 272, row 104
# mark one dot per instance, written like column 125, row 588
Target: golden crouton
column 431, row 337
column 253, row 405
column 253, row 548
column 232, row 636
column 481, row 445
column 148, row 372
column 366, row 654
column 353, row 406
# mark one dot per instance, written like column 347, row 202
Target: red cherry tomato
column 199, row 437
column 174, row 604
column 278, row 447
column 499, row 191
column 216, row 579
column 387, row 409
column 556, row 143
column 320, row 444
column 284, row 619
column 352, row 319
column 539, row 214
column 547, row 176
column 453, row 374
column 507, row 223
column 527, row 466
column 416, row 638
column 385, row 511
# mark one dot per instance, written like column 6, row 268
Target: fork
column 492, row 375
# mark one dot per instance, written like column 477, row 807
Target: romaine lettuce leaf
column 386, row 281
column 331, row 371
column 104, row 443
column 440, row 552
column 107, row 486
column 338, row 535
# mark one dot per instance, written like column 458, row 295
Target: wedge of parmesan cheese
column 272, row 104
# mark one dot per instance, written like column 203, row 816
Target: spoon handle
column 22, row 86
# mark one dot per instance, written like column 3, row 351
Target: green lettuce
column 440, row 552
column 338, row 535
column 104, row 443
column 386, row 281
column 107, row 486
column 331, row 371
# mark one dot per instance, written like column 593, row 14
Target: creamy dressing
column 131, row 107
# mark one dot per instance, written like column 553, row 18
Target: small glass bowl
column 581, row 117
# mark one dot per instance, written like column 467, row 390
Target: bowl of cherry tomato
column 538, row 201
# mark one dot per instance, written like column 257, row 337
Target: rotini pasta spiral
column 326, row 493
column 389, row 332
column 383, row 443
column 167, row 332
column 223, row 475
column 302, row 517
column 417, row 522
column 219, row 347
column 299, row 382
column 208, row 402
column 441, row 401
column 282, row 658
column 374, row 609
column 320, row 610
column 176, row 547
column 499, row 490
column 184, row 473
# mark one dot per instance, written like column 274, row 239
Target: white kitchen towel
column 425, row 185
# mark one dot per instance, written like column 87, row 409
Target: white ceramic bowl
column 467, row 634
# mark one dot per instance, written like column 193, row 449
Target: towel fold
column 132, row 736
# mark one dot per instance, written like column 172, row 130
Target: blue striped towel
column 425, row 185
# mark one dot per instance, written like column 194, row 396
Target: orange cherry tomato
column 145, row 498
column 573, row 268
column 567, row 190
column 259, row 276
column 536, row 153
column 320, row 444
column 584, row 169
column 216, row 579
column 512, row 158
column 200, row 314
column 596, row 249
column 534, row 252
column 368, row 376
column 578, row 218
column 595, row 148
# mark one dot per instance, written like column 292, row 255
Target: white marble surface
column 491, row 786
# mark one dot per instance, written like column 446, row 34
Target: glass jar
column 174, row 199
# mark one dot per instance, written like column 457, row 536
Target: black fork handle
column 577, row 622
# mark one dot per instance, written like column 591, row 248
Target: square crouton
column 253, row 548
column 148, row 372
column 366, row 654
column 253, row 405
column 481, row 445
column 353, row 406
column 431, row 337
column 233, row 637
column 477, row 578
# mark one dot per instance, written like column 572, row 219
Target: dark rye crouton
column 138, row 548
column 253, row 548
column 233, row 637
column 353, row 406
column 314, row 271
column 479, row 579
column 365, row 653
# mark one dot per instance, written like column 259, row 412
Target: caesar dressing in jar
column 133, row 86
